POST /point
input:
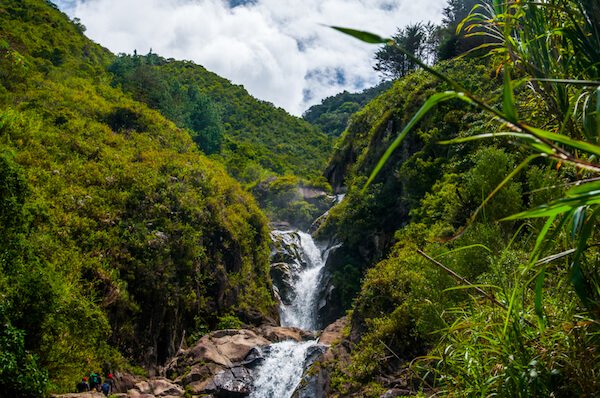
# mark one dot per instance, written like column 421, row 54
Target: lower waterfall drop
column 282, row 369
column 285, row 362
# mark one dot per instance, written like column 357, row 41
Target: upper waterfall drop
column 302, row 312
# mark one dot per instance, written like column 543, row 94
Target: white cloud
column 279, row 50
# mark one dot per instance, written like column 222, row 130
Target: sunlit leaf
column 563, row 139
column 367, row 37
column 426, row 107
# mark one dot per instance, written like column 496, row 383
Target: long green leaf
column 563, row 139
column 426, row 107
column 464, row 287
column 458, row 249
column 584, row 188
column 541, row 239
column 560, row 206
column 508, row 98
column 578, row 278
column 367, row 37
column 528, row 138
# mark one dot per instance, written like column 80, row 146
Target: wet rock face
column 330, row 305
column 283, row 282
column 287, row 261
column 286, row 248
column 315, row 381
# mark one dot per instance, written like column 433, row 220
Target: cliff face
column 134, row 234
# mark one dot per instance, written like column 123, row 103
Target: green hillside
column 117, row 234
column 252, row 138
column 333, row 113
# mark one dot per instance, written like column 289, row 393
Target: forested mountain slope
column 333, row 113
column 117, row 234
column 252, row 138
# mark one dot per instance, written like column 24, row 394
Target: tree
column 418, row 39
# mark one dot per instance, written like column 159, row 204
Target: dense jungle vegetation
column 470, row 256
column 482, row 217
column 118, row 238
column 253, row 139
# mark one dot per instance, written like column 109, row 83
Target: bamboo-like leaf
column 541, row 239
column 559, row 206
column 367, row 37
column 554, row 257
column 579, row 189
column 578, row 220
column 570, row 81
column 527, row 138
column 577, row 276
column 426, row 107
column 458, row 249
column 508, row 98
column 563, row 139
column 463, row 287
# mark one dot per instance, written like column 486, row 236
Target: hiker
column 106, row 388
column 95, row 381
column 83, row 385
column 109, row 384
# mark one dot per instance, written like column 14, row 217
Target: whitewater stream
column 281, row 372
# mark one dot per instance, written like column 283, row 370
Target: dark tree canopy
column 418, row 39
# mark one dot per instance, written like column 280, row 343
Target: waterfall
column 282, row 369
column 302, row 312
column 284, row 364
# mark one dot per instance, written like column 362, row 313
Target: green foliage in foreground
column 525, row 321
column 117, row 234
column 20, row 374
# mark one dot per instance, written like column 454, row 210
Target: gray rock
column 234, row 382
column 283, row 281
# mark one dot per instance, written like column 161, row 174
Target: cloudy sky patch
column 280, row 50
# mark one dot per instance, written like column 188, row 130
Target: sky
column 281, row 51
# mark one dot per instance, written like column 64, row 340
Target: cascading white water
column 280, row 373
column 282, row 369
column 302, row 312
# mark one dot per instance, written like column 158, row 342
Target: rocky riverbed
column 221, row 364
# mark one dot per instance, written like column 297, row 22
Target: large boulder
column 222, row 348
column 276, row 334
column 221, row 363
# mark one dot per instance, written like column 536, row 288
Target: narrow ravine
column 285, row 362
